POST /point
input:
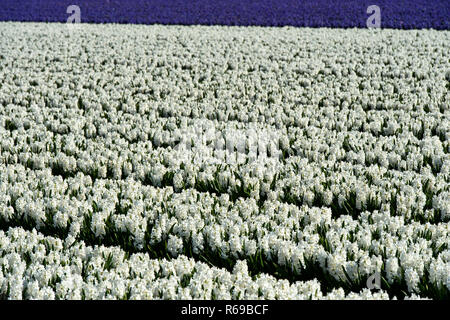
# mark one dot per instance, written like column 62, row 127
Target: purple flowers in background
column 412, row 14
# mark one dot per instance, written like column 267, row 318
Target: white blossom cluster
column 146, row 162
column 36, row 267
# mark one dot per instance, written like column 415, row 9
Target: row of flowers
column 298, row 241
column 419, row 193
column 413, row 14
column 36, row 267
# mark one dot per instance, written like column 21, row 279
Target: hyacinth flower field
column 154, row 159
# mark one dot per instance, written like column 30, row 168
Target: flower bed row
column 412, row 14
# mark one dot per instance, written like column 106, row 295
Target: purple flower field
column 413, row 14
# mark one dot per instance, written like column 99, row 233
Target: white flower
column 412, row 279
column 174, row 245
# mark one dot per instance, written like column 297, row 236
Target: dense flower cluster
column 38, row 267
column 209, row 162
column 411, row 14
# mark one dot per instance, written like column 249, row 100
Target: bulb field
column 223, row 162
